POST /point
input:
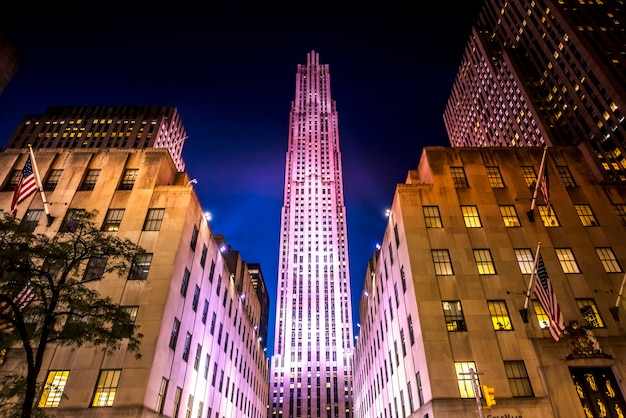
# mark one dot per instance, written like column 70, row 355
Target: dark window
column 174, row 334
column 196, row 297
column 194, row 238
column 72, row 219
column 128, row 179
column 90, row 179
column 127, row 330
column 140, row 267
column 95, row 269
column 495, row 177
column 205, row 311
column 162, row 394
column 518, row 379
column 212, row 271
column 154, row 219
column 187, row 347
column 185, row 282
column 31, row 219
column 458, row 177
column 566, row 176
column 14, row 178
column 203, row 256
column 52, row 180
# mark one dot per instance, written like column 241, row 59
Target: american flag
column 547, row 298
column 26, row 185
column 22, row 299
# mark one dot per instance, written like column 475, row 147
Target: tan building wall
column 394, row 309
column 239, row 363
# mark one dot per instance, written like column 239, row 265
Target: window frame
column 499, row 314
column 484, row 261
column 442, row 262
column 128, row 179
column 567, row 260
column 52, row 179
column 90, row 179
column 432, row 217
column 53, row 389
column 454, row 318
column 586, row 215
column 548, row 216
column 464, row 380
column 459, row 178
column 154, row 219
column 106, row 387
column 140, row 266
column 113, row 220
column 510, row 216
column 608, row 260
column 471, row 216
column 518, row 378
column 591, row 308
column 495, row 177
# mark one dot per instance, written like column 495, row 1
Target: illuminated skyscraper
column 311, row 372
column 548, row 72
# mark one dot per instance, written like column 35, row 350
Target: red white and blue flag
column 26, row 185
column 547, row 298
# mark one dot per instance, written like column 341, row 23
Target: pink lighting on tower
column 311, row 375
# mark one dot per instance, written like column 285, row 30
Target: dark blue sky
column 230, row 70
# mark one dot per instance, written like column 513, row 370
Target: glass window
column 529, row 175
column 495, row 177
column 566, row 176
column 112, row 220
column 518, row 379
column 453, row 315
column 420, row 391
column 542, row 316
column 442, row 262
column 140, row 267
column 567, row 260
column 53, row 389
column 609, row 262
column 484, row 262
column 525, row 260
column 590, row 313
column 548, row 216
column 470, row 216
column 90, row 180
column 458, row 177
column 464, row 379
column 620, row 210
column 174, row 333
column 196, row 298
column 177, row 395
column 72, row 219
column 185, row 282
column 162, row 394
column 586, row 215
column 52, row 180
column 154, row 219
column 196, row 363
column 127, row 330
column 95, row 268
column 187, row 347
column 31, row 219
column 128, row 179
column 411, row 332
column 14, row 178
column 194, row 238
column 499, row 315
column 509, row 216
column 432, row 217
column 203, row 256
column 106, row 388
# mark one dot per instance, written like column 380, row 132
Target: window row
column 510, row 217
column 525, row 260
column 496, row 181
column 516, row 373
column 501, row 320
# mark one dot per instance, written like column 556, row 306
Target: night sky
column 230, row 70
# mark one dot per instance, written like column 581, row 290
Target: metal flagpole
column 531, row 212
column 40, row 186
column 524, row 312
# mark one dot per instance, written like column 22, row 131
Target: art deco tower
column 312, row 363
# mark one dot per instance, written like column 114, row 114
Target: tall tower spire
column 312, row 363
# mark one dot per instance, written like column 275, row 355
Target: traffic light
column 488, row 394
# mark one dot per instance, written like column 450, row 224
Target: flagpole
column 40, row 186
column 524, row 311
column 615, row 309
column 539, row 179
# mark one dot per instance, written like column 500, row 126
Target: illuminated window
column 548, row 216
column 499, row 315
column 566, row 176
column 590, row 313
column 52, row 180
column 567, row 260
column 458, row 177
column 586, row 215
column 442, row 262
column 154, row 219
column 53, row 390
column 106, row 388
column 464, row 379
column 470, row 216
column 432, row 217
column 540, row 313
column 519, row 382
column 112, row 220
column 509, row 216
column 453, row 315
column 90, row 180
column 484, row 262
column 128, row 179
column 140, row 267
column 609, row 262
column 529, row 175
column 525, row 260
column 495, row 177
